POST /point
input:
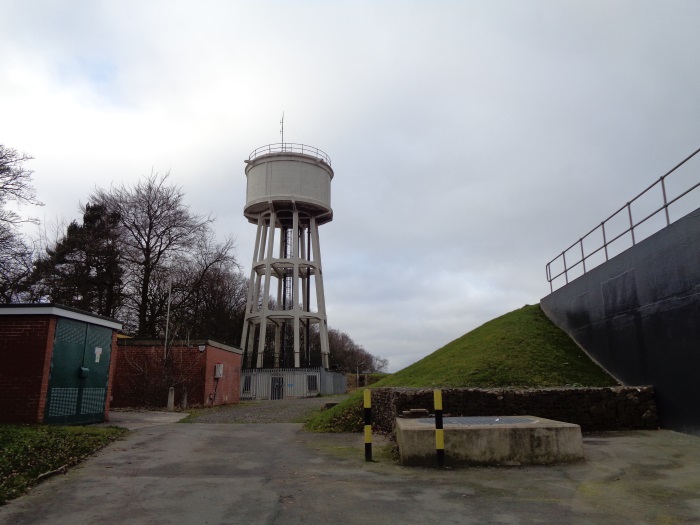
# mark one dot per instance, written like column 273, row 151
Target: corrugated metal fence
column 278, row 383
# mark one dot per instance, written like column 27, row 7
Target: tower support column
column 266, row 289
column 296, row 267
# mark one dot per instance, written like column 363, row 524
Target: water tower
column 288, row 197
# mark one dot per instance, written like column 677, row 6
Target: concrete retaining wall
column 638, row 315
column 611, row 408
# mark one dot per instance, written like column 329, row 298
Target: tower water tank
column 288, row 197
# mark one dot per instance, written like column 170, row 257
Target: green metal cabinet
column 79, row 373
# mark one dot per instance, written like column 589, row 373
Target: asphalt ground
column 275, row 473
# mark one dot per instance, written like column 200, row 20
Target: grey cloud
column 472, row 141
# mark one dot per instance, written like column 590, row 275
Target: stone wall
column 611, row 408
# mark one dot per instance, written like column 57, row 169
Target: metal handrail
column 290, row 147
column 632, row 225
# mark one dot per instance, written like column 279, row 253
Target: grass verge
column 346, row 416
column 31, row 453
column 521, row 349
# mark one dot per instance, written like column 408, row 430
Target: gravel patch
column 279, row 411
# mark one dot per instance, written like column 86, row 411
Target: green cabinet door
column 79, row 373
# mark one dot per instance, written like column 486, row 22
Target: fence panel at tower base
column 333, row 383
column 281, row 383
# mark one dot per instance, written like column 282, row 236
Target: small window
column 312, row 383
column 247, row 380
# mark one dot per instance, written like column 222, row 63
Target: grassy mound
column 521, row 349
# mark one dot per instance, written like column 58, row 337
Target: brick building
column 55, row 364
column 202, row 372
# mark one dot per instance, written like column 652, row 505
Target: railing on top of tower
column 290, row 147
column 580, row 255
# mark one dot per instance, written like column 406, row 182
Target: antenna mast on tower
column 282, row 128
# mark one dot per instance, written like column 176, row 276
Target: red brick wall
column 189, row 364
column 26, row 343
column 227, row 389
column 142, row 377
column 112, row 366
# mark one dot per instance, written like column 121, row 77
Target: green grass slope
column 521, row 349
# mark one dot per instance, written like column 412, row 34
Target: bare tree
column 15, row 253
column 15, row 184
column 157, row 228
column 347, row 356
column 380, row 364
column 16, row 258
column 209, row 293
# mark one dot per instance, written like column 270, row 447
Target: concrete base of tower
column 285, row 383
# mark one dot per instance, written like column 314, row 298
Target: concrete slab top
column 484, row 420
column 476, row 422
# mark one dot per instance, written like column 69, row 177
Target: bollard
column 171, row 399
column 439, row 432
column 368, row 425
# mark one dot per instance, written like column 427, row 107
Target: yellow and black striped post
column 368, row 425
column 439, row 432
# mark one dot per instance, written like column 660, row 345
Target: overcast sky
column 471, row 141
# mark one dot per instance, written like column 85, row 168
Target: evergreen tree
column 83, row 269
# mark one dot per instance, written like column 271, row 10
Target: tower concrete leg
column 298, row 262
column 266, row 289
column 320, row 300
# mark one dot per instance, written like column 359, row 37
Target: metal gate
column 277, row 387
column 79, row 373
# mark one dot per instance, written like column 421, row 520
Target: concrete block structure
column 56, row 364
column 494, row 440
column 202, row 372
